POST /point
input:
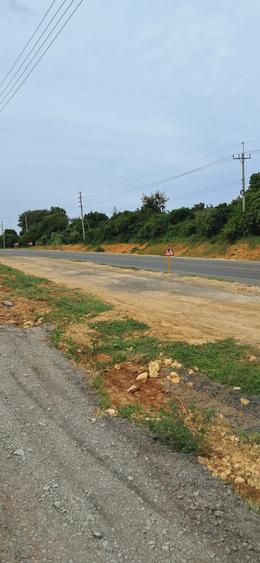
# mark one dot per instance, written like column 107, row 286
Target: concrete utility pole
column 3, row 233
column 82, row 216
column 242, row 157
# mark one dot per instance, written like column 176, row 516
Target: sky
column 132, row 92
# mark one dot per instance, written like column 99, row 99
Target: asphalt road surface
column 234, row 270
column 76, row 488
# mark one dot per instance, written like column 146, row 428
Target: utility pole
column 3, row 233
column 26, row 222
column 82, row 216
column 242, row 157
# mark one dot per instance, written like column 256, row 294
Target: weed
column 56, row 336
column 172, row 427
column 131, row 411
column 98, row 384
column 250, row 437
column 72, row 350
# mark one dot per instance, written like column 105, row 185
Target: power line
column 27, row 44
column 120, row 195
column 156, row 183
column 31, row 50
column 37, row 52
column 41, row 57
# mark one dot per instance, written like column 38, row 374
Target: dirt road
column 76, row 488
column 191, row 309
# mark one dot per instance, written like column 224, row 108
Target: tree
column 155, row 201
column 11, row 237
column 34, row 217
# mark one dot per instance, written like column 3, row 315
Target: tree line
column 151, row 222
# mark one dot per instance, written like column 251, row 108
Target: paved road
column 78, row 489
column 236, row 270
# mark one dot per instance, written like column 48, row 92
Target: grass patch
column 98, row 384
column 131, row 411
column 76, row 306
column 172, row 427
column 117, row 328
column 31, row 287
column 223, row 361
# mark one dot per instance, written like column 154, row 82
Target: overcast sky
column 132, row 92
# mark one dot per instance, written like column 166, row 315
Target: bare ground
column 180, row 308
column 189, row 306
column 74, row 488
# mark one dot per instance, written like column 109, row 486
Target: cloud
column 13, row 6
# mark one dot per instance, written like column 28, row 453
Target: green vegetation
column 250, row 437
column 224, row 361
column 118, row 327
column 220, row 224
column 66, row 306
column 169, row 425
column 98, row 384
column 74, row 306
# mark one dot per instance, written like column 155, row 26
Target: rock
column 39, row 322
column 111, row 412
column 133, row 389
column 97, row 535
column 28, row 324
column 190, row 384
column 239, row 480
column 154, row 368
column 176, row 365
column 19, row 452
column 218, row 513
column 118, row 366
column 244, row 402
column 167, row 362
column 196, row 368
column 252, row 358
column 8, row 304
column 190, row 371
column 174, row 377
column 46, row 488
column 237, row 388
column 142, row 377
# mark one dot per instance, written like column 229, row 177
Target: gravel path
column 76, row 489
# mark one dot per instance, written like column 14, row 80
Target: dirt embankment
column 238, row 251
